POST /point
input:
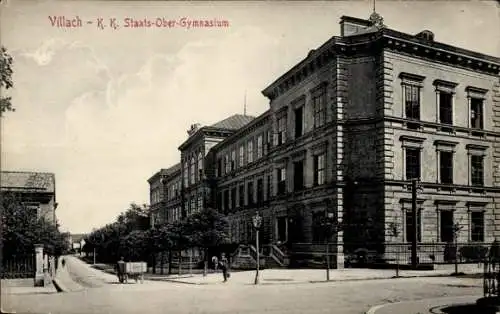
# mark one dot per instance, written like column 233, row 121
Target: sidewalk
column 24, row 286
column 462, row 305
column 295, row 276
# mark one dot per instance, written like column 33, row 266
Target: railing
column 18, row 267
column 278, row 254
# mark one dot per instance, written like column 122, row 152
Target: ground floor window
column 477, row 226
column 281, row 229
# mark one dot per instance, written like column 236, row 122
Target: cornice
column 371, row 44
column 205, row 131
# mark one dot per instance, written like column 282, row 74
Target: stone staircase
column 271, row 256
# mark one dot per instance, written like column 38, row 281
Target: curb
column 435, row 309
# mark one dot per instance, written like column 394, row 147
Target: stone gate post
column 39, row 276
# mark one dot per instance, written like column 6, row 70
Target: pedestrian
column 215, row 262
column 223, row 264
column 63, row 262
column 120, row 268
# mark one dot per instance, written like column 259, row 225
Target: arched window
column 193, row 166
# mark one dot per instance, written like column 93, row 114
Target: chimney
column 194, row 127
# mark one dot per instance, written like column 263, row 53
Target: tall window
column 233, row 198
column 241, row 195
column 225, row 196
column 476, row 113
column 269, row 140
column 219, row 167
column 250, row 193
column 233, row 160
column 299, row 122
column 319, row 107
column 200, row 202
column 260, row 191
column 193, row 205
column 446, row 167
column 477, row 226
column 259, row 147
column 412, row 163
column 409, row 226
column 319, row 169
column 193, row 170
column 446, row 225
column 477, row 170
column 268, row 188
column 250, row 151
column 298, row 175
column 446, row 108
column 281, row 139
column 242, row 156
column 200, row 164
column 186, row 174
column 281, row 176
column 412, row 101
column 227, row 164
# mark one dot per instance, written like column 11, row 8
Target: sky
column 104, row 109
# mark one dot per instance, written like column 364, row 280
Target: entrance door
column 281, row 229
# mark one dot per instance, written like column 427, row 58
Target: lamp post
column 415, row 186
column 328, row 224
column 257, row 222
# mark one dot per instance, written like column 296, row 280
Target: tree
column 5, row 80
column 22, row 230
column 207, row 229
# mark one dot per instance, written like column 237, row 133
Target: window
column 299, row 122
column 319, row 169
column 281, row 229
column 250, row 193
column 298, row 175
column 242, row 156
column 412, row 101
column 477, row 170
column 260, row 191
column 281, row 130
column 412, row 163
column 227, row 165
column 268, row 190
column 477, row 226
column 200, row 165
column 241, row 194
column 250, row 151
column 192, row 207
column 269, row 140
column 226, row 200
column 446, row 108
column 409, row 226
column 219, row 167
column 193, row 165
column 476, row 113
column 186, row 175
column 219, row 201
column 446, row 226
column 233, row 160
column 319, row 104
column 200, row 202
column 233, row 198
column 281, row 175
column 259, row 147
column 446, row 167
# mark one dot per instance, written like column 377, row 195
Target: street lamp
column 328, row 224
column 257, row 222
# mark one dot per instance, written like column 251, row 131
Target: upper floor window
column 193, row 170
column 260, row 147
column 200, row 202
column 269, row 140
column 233, row 198
column 319, row 107
column 445, row 91
column 250, row 151
column 200, row 164
column 298, row 175
column 281, row 178
column 241, row 195
column 319, row 169
column 268, row 188
column 220, row 167
column 281, row 138
column 227, row 165
column 445, row 155
column 250, row 199
column 260, row 191
column 412, row 147
column 412, row 85
column 476, row 97
column 242, row 156
column 233, row 160
column 477, row 154
column 186, row 175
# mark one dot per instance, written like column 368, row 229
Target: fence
column 19, row 267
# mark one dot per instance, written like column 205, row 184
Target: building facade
column 35, row 190
column 347, row 130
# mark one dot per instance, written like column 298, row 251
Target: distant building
column 348, row 128
column 77, row 241
column 35, row 190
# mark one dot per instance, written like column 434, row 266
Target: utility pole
column 414, row 212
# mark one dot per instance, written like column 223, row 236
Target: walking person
column 215, row 262
column 223, row 264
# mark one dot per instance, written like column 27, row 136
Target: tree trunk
column 162, row 261
column 205, row 263
column 170, row 262
column 154, row 262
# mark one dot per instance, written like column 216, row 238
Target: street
column 104, row 295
